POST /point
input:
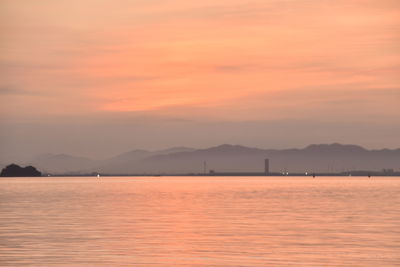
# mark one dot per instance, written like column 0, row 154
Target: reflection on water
column 195, row 221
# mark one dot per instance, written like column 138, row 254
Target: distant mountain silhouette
column 175, row 150
column 334, row 148
column 119, row 163
column 228, row 158
column 235, row 158
column 61, row 163
column 14, row 170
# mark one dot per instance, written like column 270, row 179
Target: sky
column 99, row 77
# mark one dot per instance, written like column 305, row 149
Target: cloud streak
column 204, row 60
column 13, row 91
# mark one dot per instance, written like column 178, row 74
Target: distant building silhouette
column 266, row 166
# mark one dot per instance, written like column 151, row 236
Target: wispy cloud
column 157, row 55
column 9, row 90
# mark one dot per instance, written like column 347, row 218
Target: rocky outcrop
column 14, row 170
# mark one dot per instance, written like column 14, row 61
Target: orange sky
column 230, row 60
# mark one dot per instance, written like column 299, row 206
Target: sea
column 200, row 221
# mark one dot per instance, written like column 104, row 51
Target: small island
column 14, row 170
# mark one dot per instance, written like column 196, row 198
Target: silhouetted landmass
column 13, row 170
column 324, row 158
column 60, row 163
column 320, row 158
column 63, row 163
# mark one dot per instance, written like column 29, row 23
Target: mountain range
column 225, row 158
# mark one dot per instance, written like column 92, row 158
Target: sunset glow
column 199, row 133
column 206, row 60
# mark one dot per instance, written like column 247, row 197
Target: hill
column 226, row 158
column 235, row 158
column 14, row 170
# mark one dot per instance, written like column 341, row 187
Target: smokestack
column 266, row 166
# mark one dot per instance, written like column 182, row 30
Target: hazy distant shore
column 228, row 160
column 227, row 174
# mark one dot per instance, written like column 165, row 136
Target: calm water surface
column 195, row 221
